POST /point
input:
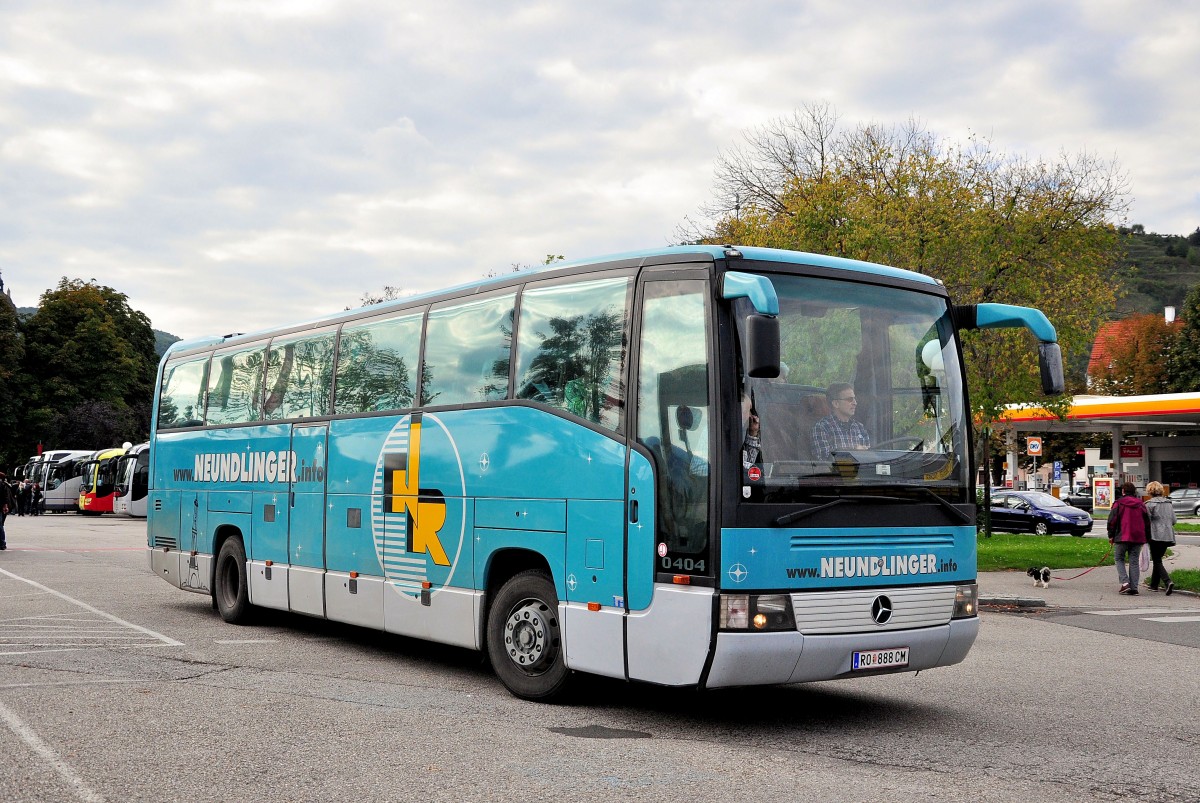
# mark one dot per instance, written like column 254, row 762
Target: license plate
column 880, row 659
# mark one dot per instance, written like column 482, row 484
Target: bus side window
column 235, row 385
column 377, row 364
column 299, row 377
column 181, row 401
column 571, row 348
column 467, row 352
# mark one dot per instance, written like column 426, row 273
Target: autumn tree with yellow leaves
column 991, row 227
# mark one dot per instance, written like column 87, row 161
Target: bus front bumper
column 753, row 659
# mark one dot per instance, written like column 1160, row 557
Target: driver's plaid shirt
column 831, row 435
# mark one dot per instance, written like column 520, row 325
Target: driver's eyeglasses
column 850, row 399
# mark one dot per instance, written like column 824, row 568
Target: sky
column 232, row 165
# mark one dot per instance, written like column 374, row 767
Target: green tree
column 991, row 227
column 86, row 346
column 1183, row 363
column 12, row 351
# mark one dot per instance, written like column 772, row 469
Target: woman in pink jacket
column 1128, row 527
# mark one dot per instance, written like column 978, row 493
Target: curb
column 1018, row 602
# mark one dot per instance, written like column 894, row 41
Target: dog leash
column 1085, row 571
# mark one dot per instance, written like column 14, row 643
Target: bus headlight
column 966, row 601
column 735, row 611
column 757, row 612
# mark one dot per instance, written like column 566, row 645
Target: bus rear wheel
column 230, row 591
column 524, row 638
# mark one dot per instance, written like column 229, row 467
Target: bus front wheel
column 229, row 589
column 524, row 638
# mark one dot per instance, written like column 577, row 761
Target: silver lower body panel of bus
column 751, row 659
column 182, row 569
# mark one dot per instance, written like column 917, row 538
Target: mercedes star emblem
column 881, row 610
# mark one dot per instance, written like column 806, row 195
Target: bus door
column 306, row 522
column 669, row 492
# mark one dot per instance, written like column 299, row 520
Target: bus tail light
column 765, row 612
column 966, row 601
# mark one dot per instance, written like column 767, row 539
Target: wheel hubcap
column 529, row 634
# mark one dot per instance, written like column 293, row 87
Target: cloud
column 237, row 165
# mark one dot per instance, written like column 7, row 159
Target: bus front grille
column 827, row 612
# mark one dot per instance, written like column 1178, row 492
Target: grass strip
column 1010, row 552
column 1186, row 579
column 1007, row 551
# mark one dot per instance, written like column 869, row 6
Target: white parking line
column 27, row 735
column 159, row 636
column 1173, row 618
column 1131, row 611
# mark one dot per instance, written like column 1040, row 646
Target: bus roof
column 75, row 454
column 712, row 252
column 104, row 454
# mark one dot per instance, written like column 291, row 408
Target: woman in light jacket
column 1162, row 534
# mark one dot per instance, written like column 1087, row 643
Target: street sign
column 1033, row 446
column 1058, row 469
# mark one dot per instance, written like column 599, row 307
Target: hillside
column 163, row 340
column 1157, row 270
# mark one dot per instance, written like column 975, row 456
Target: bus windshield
column 869, row 395
column 125, row 465
column 61, row 472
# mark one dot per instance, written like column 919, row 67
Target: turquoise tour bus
column 701, row 466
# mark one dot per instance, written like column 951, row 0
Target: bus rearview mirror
column 762, row 346
column 1050, row 363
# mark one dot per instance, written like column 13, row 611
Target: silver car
column 1186, row 501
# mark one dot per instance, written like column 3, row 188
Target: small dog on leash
column 1041, row 577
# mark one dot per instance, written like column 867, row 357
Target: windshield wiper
column 791, row 518
column 795, row 516
column 963, row 517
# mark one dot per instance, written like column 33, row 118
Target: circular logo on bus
column 417, row 514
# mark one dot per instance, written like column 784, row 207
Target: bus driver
column 838, row 431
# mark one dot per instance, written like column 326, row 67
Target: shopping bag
column 1144, row 558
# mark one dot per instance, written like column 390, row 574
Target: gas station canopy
column 1121, row 416
column 1108, row 413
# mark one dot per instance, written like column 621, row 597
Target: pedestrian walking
column 1162, row 535
column 7, row 501
column 1128, row 530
